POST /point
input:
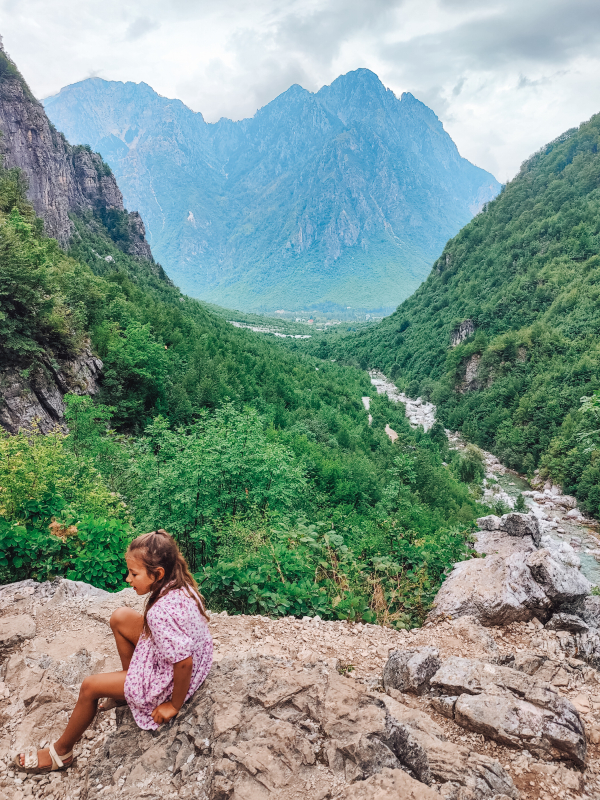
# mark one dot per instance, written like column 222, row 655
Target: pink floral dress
column 178, row 630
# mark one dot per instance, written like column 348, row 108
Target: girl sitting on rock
column 166, row 653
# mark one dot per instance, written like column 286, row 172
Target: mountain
column 504, row 335
column 62, row 179
column 339, row 198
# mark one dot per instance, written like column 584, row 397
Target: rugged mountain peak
column 62, row 178
column 343, row 197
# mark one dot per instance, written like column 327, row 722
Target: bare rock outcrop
column 62, row 178
column 39, row 397
column 262, row 727
column 411, row 670
column 515, row 581
column 513, row 708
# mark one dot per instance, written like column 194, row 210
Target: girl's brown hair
column 159, row 549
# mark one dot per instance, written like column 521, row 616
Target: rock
column 463, row 773
column 411, row 670
column 260, row 726
column 513, row 708
column 469, row 629
column 38, row 399
column 560, row 582
column 62, row 178
column 561, row 551
column 16, row 629
column 520, row 525
column 499, row 543
column 493, row 590
column 566, row 622
column 490, row 523
column 77, row 667
column 586, row 608
column 389, row 784
column 570, row 779
column 444, row 705
column 593, row 734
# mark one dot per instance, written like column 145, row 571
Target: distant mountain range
column 339, row 198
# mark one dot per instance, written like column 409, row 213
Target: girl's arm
column 182, row 674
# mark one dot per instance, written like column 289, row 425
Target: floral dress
column 178, row 630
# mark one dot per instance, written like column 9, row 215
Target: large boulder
column 411, row 670
column 264, row 727
column 513, row 708
column 516, row 524
column 560, row 582
column 494, row 590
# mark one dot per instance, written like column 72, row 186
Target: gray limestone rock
column 490, row 523
column 513, row 708
column 560, row 582
column 520, row 525
column 262, row 723
column 444, row 705
column 566, row 622
column 389, row 784
column 16, row 629
column 38, row 399
column 62, row 178
column 411, row 670
column 494, row 590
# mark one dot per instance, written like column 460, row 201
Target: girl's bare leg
column 126, row 625
column 108, row 684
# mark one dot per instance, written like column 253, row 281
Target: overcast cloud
column 504, row 77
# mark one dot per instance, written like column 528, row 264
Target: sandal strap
column 58, row 761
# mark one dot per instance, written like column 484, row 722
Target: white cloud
column 504, row 76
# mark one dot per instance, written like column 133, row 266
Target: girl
column 166, row 653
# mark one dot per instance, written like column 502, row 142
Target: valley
column 393, row 521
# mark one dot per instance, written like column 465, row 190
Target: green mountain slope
column 523, row 279
column 333, row 199
column 259, row 460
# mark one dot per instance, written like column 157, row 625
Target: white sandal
column 32, row 762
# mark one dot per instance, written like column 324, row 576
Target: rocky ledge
column 307, row 708
column 39, row 397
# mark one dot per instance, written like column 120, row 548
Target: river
column 559, row 517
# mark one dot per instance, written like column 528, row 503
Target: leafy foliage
column 526, row 272
column 258, row 458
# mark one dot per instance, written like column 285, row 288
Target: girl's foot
column 43, row 760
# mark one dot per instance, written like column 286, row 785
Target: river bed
column 559, row 517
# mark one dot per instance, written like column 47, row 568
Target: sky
column 504, row 76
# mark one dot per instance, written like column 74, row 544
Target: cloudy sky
column 504, row 76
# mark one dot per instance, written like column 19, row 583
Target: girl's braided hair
column 159, row 549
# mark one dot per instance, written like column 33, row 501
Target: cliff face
column 62, row 178
column 344, row 197
column 37, row 401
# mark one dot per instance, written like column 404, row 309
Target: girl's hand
column 164, row 712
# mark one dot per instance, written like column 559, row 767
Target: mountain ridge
column 343, row 196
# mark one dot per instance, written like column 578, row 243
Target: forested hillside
column 325, row 200
column 516, row 293
column 260, row 461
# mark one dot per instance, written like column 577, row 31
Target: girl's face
column 137, row 575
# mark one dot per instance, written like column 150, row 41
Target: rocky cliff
column 63, row 179
column 37, row 400
column 344, row 196
column 306, row 708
